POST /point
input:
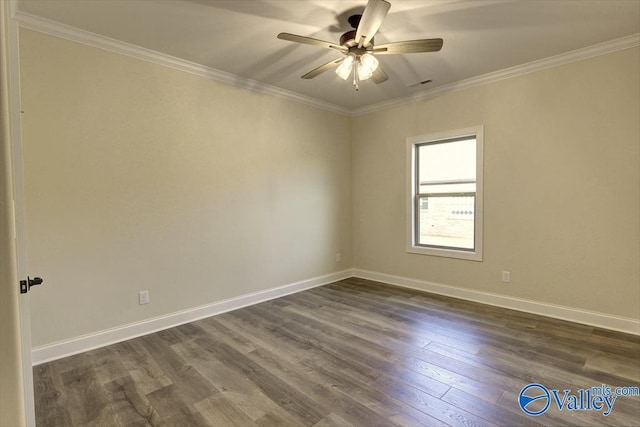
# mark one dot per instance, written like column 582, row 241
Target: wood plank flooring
column 355, row 353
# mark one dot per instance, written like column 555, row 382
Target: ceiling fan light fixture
column 344, row 70
column 366, row 66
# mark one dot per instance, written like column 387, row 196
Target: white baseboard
column 68, row 347
column 60, row 349
column 592, row 318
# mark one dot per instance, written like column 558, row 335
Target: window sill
column 447, row 253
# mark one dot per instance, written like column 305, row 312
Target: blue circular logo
column 534, row 399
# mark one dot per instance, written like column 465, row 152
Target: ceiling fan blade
column 379, row 76
column 321, row 69
column 308, row 40
column 409, row 46
column 371, row 21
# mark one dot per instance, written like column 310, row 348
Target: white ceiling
column 239, row 36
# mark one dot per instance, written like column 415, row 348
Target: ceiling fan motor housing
column 348, row 39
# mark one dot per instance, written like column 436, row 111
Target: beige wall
column 561, row 185
column 143, row 177
column 140, row 177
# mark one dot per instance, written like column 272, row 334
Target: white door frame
column 19, row 202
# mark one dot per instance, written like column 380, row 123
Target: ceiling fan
column 358, row 47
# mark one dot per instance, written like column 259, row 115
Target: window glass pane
column 448, row 161
column 446, row 221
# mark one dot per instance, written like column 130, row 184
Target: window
column 445, row 194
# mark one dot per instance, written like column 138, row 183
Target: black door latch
column 25, row 285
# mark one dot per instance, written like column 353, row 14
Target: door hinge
column 25, row 285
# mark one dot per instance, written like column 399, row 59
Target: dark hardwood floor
column 354, row 352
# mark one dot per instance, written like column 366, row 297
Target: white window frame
column 412, row 142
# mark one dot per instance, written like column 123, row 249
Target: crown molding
column 56, row 29
column 507, row 73
column 53, row 28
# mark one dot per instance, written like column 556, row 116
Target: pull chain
column 355, row 78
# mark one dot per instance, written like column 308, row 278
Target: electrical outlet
column 506, row 276
column 338, row 257
column 143, row 297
